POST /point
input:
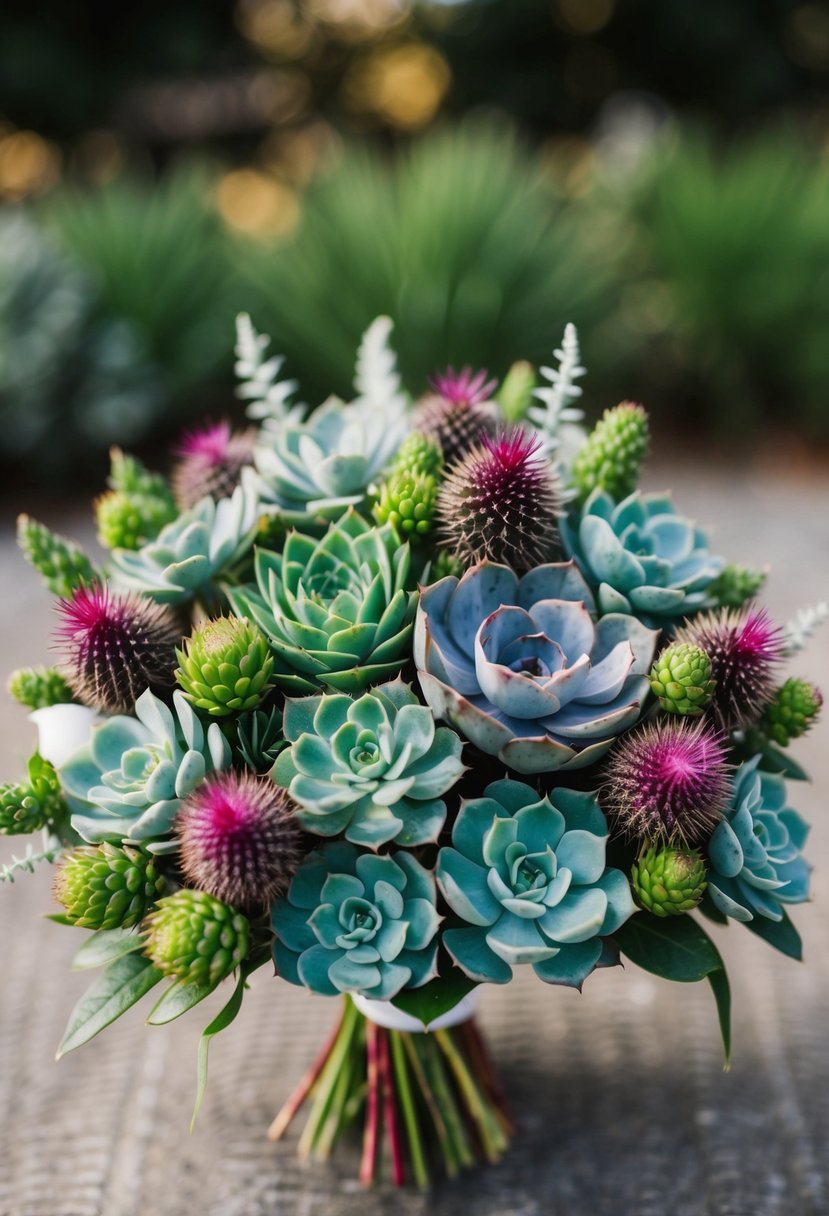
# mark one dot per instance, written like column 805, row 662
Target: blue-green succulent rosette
column 523, row 670
column 641, row 557
column 128, row 781
column 355, row 922
column 756, row 865
column 528, row 876
column 373, row 768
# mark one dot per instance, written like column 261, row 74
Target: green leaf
column 710, row 910
column 781, row 934
column 104, row 946
column 112, row 993
column 776, row 761
column 678, row 948
column 220, row 1022
column 435, row 998
column 181, row 996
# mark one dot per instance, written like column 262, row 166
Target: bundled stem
column 431, row 1100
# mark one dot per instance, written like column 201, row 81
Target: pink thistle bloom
column 210, row 443
column 463, row 387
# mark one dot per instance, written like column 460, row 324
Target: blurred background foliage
column 483, row 171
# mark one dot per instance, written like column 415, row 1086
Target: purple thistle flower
column 210, row 462
column 500, row 502
column 115, row 645
column 463, row 387
column 744, row 646
column 239, row 839
column 668, row 782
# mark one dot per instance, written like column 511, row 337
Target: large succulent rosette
column 522, row 668
column 396, row 749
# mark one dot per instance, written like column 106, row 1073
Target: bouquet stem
column 430, row 1102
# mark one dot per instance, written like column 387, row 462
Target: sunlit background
column 483, row 171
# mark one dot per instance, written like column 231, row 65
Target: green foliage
column 33, row 804
column 459, row 240
column 736, row 585
column 61, row 563
column 109, row 886
column 137, row 506
column 792, row 712
column 39, row 687
column 120, row 985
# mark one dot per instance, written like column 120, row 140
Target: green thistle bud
column 735, row 586
column 612, row 454
column 108, row 886
column 128, row 521
column 226, row 667
column 516, row 392
column 419, row 455
column 791, row 712
column 62, row 564
column 39, row 687
column 407, row 502
column 194, row 936
column 444, row 564
column 681, row 679
column 668, row 882
column 34, row 804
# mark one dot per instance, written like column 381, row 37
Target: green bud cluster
column 108, row 886
column 735, row 586
column 668, row 882
column 443, row 564
column 39, row 687
column 681, row 679
column 61, row 563
column 791, row 712
column 419, row 455
column 195, row 937
column 408, row 501
column 136, row 507
column 611, row 457
column 226, row 667
column 30, row 805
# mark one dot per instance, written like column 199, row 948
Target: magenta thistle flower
column 210, row 462
column 114, row 645
column 239, row 839
column 500, row 502
column 744, row 646
column 668, row 782
column 463, row 387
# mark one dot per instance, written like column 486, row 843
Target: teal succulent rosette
column 373, row 768
column 338, row 611
column 128, row 781
column 354, row 922
column 757, row 866
column 641, row 557
column 523, row 670
column 528, row 876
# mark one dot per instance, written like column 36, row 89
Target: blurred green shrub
column 726, row 294
column 460, row 239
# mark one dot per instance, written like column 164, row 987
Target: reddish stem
column 371, row 1131
column 390, row 1112
column 288, row 1112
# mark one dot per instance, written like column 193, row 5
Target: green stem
column 444, row 1139
column 404, row 1093
column 493, row 1138
column 327, row 1081
column 446, row 1099
column 332, row 1126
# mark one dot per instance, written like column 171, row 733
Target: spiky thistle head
column 667, row 782
column 210, row 462
column 744, row 646
column 239, row 839
column 458, row 412
column 500, row 502
column 115, row 645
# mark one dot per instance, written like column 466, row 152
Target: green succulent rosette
column 642, row 557
column 128, row 781
column 668, row 882
column 756, row 865
column 527, row 874
column 225, row 667
column 356, row 922
column 194, row 937
column 337, row 611
column 681, row 679
column 374, row 768
column 189, row 554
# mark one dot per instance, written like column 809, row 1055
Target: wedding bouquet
column 397, row 698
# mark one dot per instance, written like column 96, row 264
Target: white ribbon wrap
column 62, row 730
column 383, row 1013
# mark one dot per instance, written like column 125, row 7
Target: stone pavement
column 620, row 1094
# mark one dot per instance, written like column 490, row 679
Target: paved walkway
column 621, row 1098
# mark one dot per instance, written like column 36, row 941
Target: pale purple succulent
column 522, row 668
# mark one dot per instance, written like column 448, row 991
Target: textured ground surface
column 622, row 1102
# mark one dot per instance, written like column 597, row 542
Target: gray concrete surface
column 620, row 1093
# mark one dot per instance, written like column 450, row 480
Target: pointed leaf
column 114, row 991
column 105, row 946
column 180, row 997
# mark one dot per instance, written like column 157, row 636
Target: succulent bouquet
column 397, row 698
